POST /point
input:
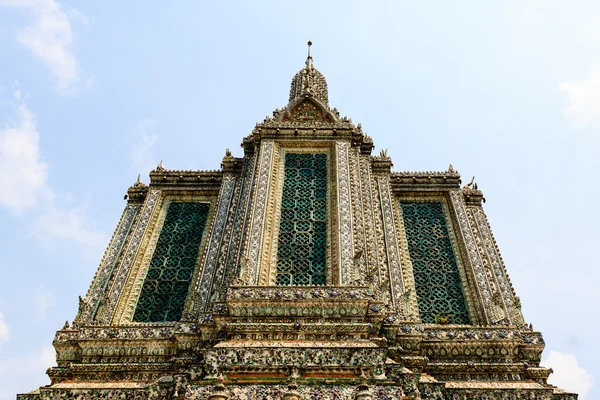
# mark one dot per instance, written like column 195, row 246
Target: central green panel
column 168, row 280
column 301, row 253
column 436, row 275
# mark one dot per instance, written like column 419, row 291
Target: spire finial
column 309, row 58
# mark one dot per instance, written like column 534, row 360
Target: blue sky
column 93, row 93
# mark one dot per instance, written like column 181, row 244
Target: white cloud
column 41, row 360
column 50, row 38
column 83, row 19
column 4, row 330
column 584, row 99
column 141, row 153
column 23, row 179
column 23, row 374
column 22, row 173
column 44, row 300
column 568, row 375
column 47, row 357
column 591, row 31
column 70, row 224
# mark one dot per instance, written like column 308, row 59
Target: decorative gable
column 308, row 112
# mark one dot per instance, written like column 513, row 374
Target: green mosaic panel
column 436, row 275
column 168, row 280
column 301, row 253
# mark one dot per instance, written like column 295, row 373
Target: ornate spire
column 309, row 82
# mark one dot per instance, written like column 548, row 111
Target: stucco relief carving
column 482, row 282
column 202, row 290
column 371, row 254
column 394, row 271
column 344, row 207
column 358, row 205
column 253, row 247
column 234, row 247
column 496, row 264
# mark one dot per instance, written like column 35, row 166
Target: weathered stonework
column 492, row 314
column 360, row 335
column 251, row 269
column 202, row 290
column 344, row 207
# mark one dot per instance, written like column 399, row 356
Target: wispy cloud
column 44, row 301
column 584, row 99
column 568, row 375
column 591, row 31
column 23, row 374
column 22, row 172
column 23, row 177
column 4, row 330
column 71, row 224
column 141, row 152
column 50, row 38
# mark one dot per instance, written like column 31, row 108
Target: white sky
column 93, row 93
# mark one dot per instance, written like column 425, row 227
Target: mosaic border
column 397, row 284
column 233, row 269
column 492, row 253
column 475, row 261
column 255, row 236
column 203, row 286
column 372, row 255
column 359, row 267
column 224, row 269
column 344, row 207
column 378, row 232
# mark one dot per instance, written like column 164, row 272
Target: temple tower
column 305, row 269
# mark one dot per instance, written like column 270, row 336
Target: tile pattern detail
column 204, row 285
column 372, row 240
column 229, row 269
column 255, row 236
column 474, row 258
column 492, row 254
column 394, row 270
column 344, row 206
